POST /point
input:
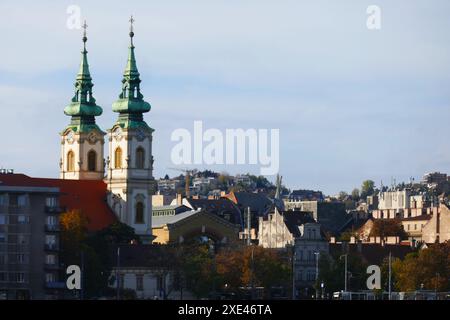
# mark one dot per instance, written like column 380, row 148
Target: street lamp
column 317, row 253
column 346, row 273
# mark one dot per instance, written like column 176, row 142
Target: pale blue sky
column 350, row 103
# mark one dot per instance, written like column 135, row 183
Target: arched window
column 140, row 158
column 92, row 160
column 139, row 213
column 118, row 158
column 70, row 161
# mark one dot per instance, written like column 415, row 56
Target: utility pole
column 390, row 274
column 293, row 273
column 118, row 274
column 249, row 224
column 346, row 272
column 317, row 253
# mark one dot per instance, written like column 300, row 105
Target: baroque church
column 127, row 170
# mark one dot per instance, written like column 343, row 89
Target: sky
column 350, row 103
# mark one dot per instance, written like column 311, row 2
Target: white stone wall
column 128, row 183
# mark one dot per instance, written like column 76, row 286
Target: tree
column 430, row 267
column 367, row 188
column 342, row 195
column 355, row 194
column 253, row 266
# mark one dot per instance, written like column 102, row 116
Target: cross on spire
column 84, row 26
column 131, row 29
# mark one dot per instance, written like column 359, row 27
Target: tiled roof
column 294, row 219
column 88, row 196
column 218, row 206
column 159, row 221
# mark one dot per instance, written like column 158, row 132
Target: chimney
column 332, row 239
column 352, row 240
column 179, row 199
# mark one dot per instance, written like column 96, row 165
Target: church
column 128, row 168
column 115, row 187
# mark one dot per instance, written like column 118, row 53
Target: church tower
column 130, row 161
column 82, row 140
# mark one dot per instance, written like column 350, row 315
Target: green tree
column 367, row 188
column 355, row 194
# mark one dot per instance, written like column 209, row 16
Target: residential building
column 29, row 241
column 148, row 271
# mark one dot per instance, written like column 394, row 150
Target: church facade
column 128, row 169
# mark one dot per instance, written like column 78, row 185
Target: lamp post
column 293, row 273
column 317, row 253
column 346, row 273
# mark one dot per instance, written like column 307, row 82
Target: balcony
column 54, row 209
column 55, row 285
column 52, row 266
column 51, row 247
column 52, row 228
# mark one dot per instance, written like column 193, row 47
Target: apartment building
column 29, row 242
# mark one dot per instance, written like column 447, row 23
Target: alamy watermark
column 232, row 147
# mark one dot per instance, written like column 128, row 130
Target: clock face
column 70, row 136
column 117, row 133
column 92, row 138
column 140, row 134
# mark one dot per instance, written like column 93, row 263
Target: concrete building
column 29, row 242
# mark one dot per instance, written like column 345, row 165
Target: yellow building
column 193, row 224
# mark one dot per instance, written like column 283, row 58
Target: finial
column 84, row 34
column 131, row 29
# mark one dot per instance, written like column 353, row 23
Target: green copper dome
column 83, row 103
column 131, row 101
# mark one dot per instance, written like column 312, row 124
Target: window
column 51, row 220
column 50, row 277
column 18, row 277
column 50, row 240
column 50, row 259
column 139, row 213
column 3, row 200
column 139, row 282
column 22, row 200
column 2, row 276
column 70, row 161
column 2, row 259
column 140, row 158
column 51, row 202
column 2, row 219
column 118, row 158
column 22, row 219
column 92, row 160
column 20, row 258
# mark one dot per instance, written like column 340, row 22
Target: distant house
column 149, row 271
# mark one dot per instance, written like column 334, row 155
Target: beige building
column 178, row 228
column 438, row 227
